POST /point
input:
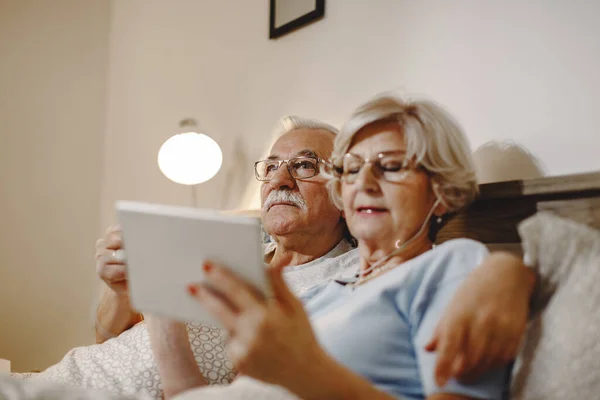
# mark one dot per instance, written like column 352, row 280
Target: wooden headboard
column 493, row 218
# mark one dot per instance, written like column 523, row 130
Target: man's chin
column 278, row 225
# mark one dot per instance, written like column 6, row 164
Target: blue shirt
column 379, row 329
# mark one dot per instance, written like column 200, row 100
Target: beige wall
column 53, row 62
column 525, row 71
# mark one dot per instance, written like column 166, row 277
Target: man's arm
column 492, row 303
column 174, row 358
column 114, row 315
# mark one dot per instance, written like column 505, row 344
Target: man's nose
column 282, row 179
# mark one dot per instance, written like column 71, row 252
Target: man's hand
column 110, row 263
column 483, row 325
column 114, row 314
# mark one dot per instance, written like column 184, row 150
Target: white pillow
column 561, row 352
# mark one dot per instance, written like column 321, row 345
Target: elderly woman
column 397, row 170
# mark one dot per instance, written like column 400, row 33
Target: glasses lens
column 392, row 166
column 351, row 167
column 389, row 166
column 265, row 169
column 303, row 168
column 328, row 170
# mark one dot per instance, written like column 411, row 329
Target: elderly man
column 310, row 243
column 304, row 225
column 297, row 213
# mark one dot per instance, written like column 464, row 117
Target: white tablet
column 166, row 245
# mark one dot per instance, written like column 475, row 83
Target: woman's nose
column 367, row 178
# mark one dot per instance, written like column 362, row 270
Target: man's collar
column 342, row 247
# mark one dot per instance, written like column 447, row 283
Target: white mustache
column 284, row 196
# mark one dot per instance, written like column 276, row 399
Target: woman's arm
column 328, row 379
column 174, row 358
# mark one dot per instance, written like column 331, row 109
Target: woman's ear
column 440, row 210
column 441, row 207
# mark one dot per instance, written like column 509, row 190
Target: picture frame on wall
column 289, row 15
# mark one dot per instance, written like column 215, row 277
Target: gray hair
column 292, row 122
column 434, row 140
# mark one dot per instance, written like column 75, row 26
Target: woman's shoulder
column 441, row 270
column 461, row 245
column 457, row 252
column 451, row 260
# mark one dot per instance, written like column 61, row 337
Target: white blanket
column 243, row 388
column 18, row 389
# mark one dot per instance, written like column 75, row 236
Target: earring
column 439, row 220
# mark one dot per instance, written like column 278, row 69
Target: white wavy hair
column 434, row 140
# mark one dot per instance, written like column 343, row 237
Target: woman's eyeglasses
column 390, row 165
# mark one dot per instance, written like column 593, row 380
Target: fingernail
column 207, row 266
column 193, row 290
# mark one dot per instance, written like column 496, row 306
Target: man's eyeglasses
column 390, row 165
column 298, row 167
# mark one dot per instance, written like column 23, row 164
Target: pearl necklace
column 374, row 274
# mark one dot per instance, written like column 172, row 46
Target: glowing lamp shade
column 190, row 158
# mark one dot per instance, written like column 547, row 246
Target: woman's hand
column 485, row 321
column 269, row 339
